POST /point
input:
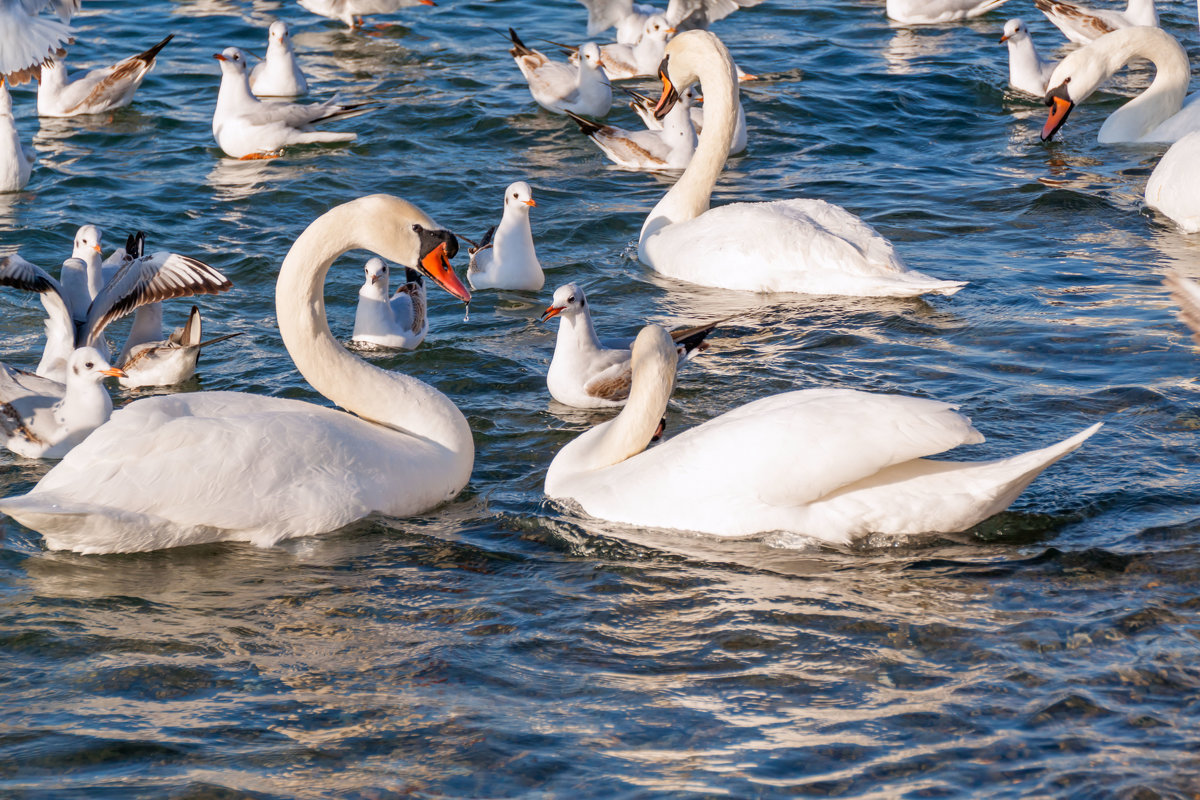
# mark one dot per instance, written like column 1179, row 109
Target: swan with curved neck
column 830, row 464
column 229, row 466
column 807, row 246
column 1153, row 116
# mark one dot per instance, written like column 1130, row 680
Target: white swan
column 1081, row 24
column 1156, row 115
column 42, row 418
column 926, row 12
column 96, row 91
column 16, row 165
column 559, row 87
column 1027, row 71
column 28, row 40
column 1186, row 292
column 227, row 466
column 1174, row 186
column 587, row 372
column 669, row 148
column 805, row 246
column 399, row 321
column 279, row 74
column 506, row 258
column 831, row 464
column 246, row 127
column 147, row 359
column 351, row 12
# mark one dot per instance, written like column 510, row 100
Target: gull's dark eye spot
column 89, row 365
column 571, row 299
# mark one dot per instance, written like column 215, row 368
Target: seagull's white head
column 233, row 61
column 519, row 197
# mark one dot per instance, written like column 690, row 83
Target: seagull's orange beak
column 114, row 372
column 218, row 57
column 552, row 311
column 530, row 202
column 437, row 266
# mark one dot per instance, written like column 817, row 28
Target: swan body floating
column 351, row 12
column 506, row 258
column 16, row 164
column 559, row 87
column 1158, row 114
column 644, row 107
column 669, row 148
column 42, row 418
column 28, row 40
column 279, row 74
column 1082, row 25
column 96, row 91
column 246, row 127
column 399, row 321
column 1027, row 71
column 807, row 246
column 586, row 372
column 157, row 361
column 1174, row 186
column 831, row 464
column 629, row 18
column 1186, row 292
column 929, row 12
column 203, row 467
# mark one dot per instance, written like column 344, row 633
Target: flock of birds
column 313, row 469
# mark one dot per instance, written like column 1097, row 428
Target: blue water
column 503, row 646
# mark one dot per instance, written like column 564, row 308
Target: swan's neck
column 689, row 198
column 628, row 433
column 398, row 401
column 1162, row 99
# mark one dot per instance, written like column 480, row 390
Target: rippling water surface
column 505, row 646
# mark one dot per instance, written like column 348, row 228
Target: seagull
column 1082, row 25
column 669, row 148
column 279, row 74
column 643, row 106
column 27, row 40
column 157, row 277
column 559, row 87
column 629, row 18
column 351, row 11
column 1027, row 72
column 625, row 61
column 96, row 91
column 15, row 163
column 164, row 362
column 399, row 322
column 245, row 127
column 1186, row 293
column 506, row 258
column 587, row 372
column 43, row 418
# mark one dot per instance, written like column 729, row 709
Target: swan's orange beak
column 669, row 95
column 114, row 372
column 552, row 311
column 1060, row 107
column 437, row 266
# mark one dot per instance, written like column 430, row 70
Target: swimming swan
column 228, row 466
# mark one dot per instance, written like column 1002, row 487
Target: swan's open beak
column 552, row 311
column 669, row 95
column 1060, row 106
column 437, row 266
column 114, row 372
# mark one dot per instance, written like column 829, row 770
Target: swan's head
column 657, row 28
column 435, row 249
column 86, row 365
column 278, row 33
column 87, row 242
column 233, row 61
column 655, row 358
column 683, row 57
column 1014, row 30
column 568, row 300
column 589, row 55
column 519, row 196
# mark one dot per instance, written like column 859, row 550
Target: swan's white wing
column 794, row 448
column 605, row 14
column 154, row 278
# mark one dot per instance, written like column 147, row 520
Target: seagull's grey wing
column 689, row 14
column 604, row 14
column 151, row 279
column 18, row 273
